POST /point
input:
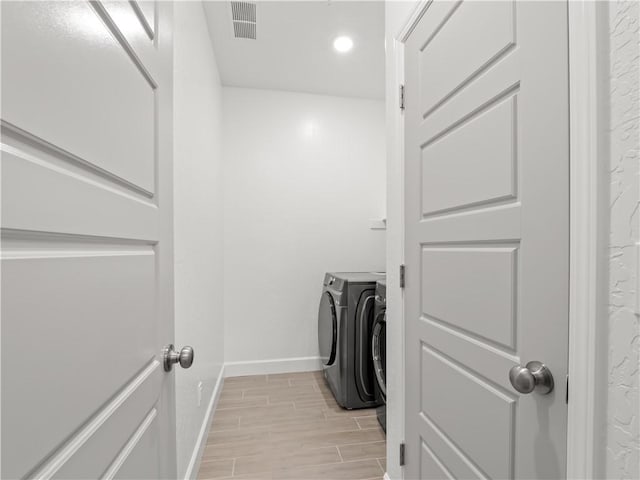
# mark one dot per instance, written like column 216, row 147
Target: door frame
column 588, row 231
column 588, row 239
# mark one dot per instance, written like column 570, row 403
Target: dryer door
column 378, row 351
column 327, row 329
column 364, row 368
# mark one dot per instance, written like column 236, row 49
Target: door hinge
column 402, row 454
column 567, row 395
column 402, row 275
column 401, row 97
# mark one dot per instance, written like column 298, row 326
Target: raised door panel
column 60, row 86
column 486, row 218
column 133, row 463
column 449, row 60
column 118, row 425
column 483, row 147
column 39, row 194
column 146, row 10
column 479, row 419
column 485, row 277
column 439, row 454
column 487, row 360
column 84, row 317
column 86, row 240
column 137, row 34
column 431, row 466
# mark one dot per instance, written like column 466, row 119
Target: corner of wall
column 198, row 230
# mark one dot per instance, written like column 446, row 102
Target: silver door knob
column 535, row 376
column 184, row 357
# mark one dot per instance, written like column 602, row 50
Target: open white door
column 87, row 301
column 487, row 227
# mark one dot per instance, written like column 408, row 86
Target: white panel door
column 87, row 299
column 486, row 185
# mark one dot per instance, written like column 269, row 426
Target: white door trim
column 395, row 257
column 587, row 211
column 395, row 297
column 587, row 270
column 416, row 15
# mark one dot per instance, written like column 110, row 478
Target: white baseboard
column 196, row 456
column 280, row 365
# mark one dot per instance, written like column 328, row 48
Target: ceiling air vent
column 243, row 15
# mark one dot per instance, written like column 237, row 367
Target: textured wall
column 623, row 422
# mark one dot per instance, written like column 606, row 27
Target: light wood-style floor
column 288, row 426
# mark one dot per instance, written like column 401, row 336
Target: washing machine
column 345, row 321
column 379, row 350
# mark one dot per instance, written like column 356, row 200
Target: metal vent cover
column 243, row 17
column 244, row 30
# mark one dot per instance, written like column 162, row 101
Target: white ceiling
column 293, row 50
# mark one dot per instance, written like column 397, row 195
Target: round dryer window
column 327, row 329
column 378, row 349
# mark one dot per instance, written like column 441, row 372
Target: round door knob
column 534, row 376
column 184, row 357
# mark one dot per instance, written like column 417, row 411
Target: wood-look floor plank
column 337, row 411
column 303, row 424
column 367, row 422
column 280, row 460
column 237, row 436
column 236, row 450
column 292, row 376
column 362, row 451
column 310, row 403
column 216, row 469
column 239, row 382
column 230, row 393
column 358, row 470
column 250, row 476
column 222, row 424
column 278, row 390
column 275, row 411
column 325, row 439
column 257, row 401
column 289, row 426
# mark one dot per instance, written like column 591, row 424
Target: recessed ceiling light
column 343, row 44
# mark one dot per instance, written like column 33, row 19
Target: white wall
column 304, row 174
column 198, row 224
column 623, row 412
column 396, row 15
